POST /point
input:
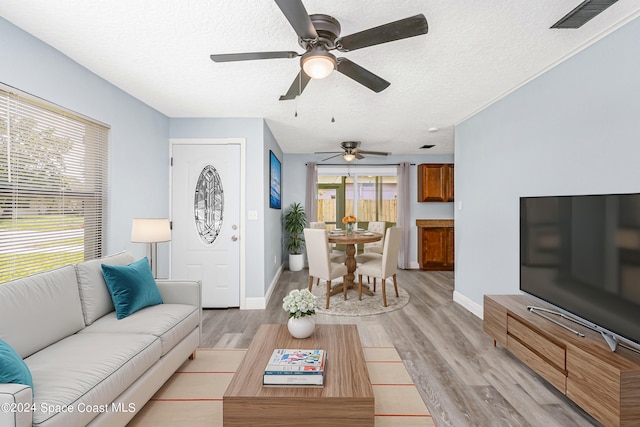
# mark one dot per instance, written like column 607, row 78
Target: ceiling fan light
column 318, row 63
column 348, row 157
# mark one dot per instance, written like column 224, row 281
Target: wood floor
column 463, row 379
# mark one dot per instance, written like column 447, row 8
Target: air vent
column 426, row 147
column 583, row 13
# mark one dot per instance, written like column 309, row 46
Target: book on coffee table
column 295, row 367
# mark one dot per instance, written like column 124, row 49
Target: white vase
column 301, row 327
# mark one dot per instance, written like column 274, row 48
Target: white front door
column 205, row 214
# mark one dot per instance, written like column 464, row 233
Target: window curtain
column 404, row 213
column 311, row 193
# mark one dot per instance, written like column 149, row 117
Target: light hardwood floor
column 463, row 379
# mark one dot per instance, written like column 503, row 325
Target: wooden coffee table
column 346, row 399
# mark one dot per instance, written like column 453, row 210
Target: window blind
column 53, row 186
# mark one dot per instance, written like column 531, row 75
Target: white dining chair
column 320, row 265
column 375, row 247
column 373, row 250
column 336, row 256
column 385, row 266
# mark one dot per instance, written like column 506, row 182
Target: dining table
column 350, row 240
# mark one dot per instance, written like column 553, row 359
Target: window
column 370, row 195
column 53, row 178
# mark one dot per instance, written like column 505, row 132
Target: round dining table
column 350, row 241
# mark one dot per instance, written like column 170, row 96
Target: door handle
column 234, row 238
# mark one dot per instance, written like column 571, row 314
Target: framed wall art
column 275, row 174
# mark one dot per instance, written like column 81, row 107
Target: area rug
column 369, row 305
column 193, row 395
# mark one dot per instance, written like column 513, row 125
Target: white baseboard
column 469, row 304
column 261, row 303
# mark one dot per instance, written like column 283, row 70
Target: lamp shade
column 348, row 157
column 150, row 230
column 318, row 63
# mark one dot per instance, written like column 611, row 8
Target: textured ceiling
column 476, row 51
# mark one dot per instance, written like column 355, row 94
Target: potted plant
column 294, row 221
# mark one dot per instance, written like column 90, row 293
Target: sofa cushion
column 39, row 310
column 13, row 370
column 132, row 287
column 94, row 294
column 85, row 371
column 170, row 322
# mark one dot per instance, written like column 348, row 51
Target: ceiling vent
column 583, row 13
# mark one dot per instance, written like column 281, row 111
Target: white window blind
column 53, row 179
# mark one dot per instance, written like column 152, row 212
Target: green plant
column 294, row 221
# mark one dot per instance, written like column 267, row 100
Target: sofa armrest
column 180, row 291
column 16, row 405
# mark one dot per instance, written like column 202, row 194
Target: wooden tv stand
column 605, row 384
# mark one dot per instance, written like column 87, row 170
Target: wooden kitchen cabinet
column 436, row 244
column 435, row 182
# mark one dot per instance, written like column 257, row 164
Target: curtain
column 311, row 192
column 404, row 213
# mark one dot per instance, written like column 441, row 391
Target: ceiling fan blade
column 361, row 75
column 397, row 30
column 358, row 155
column 298, row 17
column 296, row 88
column 374, row 153
column 249, row 56
column 328, row 158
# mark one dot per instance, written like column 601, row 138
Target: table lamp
column 151, row 231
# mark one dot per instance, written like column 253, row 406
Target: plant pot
column 301, row 327
column 296, row 262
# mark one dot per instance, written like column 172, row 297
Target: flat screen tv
column 582, row 254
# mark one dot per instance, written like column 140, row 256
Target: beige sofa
column 88, row 367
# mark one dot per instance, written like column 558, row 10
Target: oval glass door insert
column 208, row 204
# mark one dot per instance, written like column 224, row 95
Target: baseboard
column 260, row 303
column 469, row 304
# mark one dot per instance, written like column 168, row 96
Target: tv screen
column 582, row 254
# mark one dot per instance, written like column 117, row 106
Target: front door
column 205, row 213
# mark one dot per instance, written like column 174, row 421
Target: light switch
column 252, row 215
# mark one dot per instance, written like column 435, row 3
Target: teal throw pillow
column 132, row 287
column 12, row 368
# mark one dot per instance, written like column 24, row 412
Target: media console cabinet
column 605, row 384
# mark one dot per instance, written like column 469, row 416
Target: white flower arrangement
column 300, row 303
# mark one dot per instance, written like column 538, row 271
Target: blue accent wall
column 573, row 130
column 138, row 138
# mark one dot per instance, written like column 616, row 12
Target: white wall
column 294, row 181
column 573, row 130
column 138, row 143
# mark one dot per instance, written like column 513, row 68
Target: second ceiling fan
column 319, row 34
column 351, row 151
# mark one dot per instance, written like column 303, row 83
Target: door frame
column 243, row 159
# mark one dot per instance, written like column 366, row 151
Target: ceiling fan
column 351, row 151
column 318, row 34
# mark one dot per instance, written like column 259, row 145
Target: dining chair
column 385, row 266
column 373, row 250
column 336, row 256
column 375, row 247
column 320, row 265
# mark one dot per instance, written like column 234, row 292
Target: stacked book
column 295, row 367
